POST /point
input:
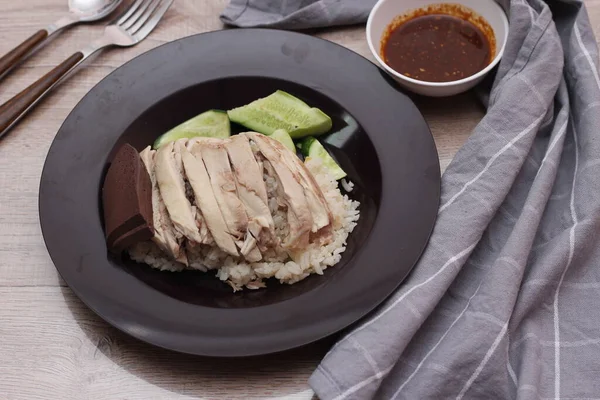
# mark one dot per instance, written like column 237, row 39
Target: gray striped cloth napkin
column 505, row 302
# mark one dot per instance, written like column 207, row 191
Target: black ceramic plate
column 380, row 139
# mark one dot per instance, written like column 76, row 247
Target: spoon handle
column 15, row 108
column 17, row 54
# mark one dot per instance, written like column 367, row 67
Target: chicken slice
column 319, row 208
column 165, row 236
column 206, row 201
column 292, row 194
column 222, row 181
column 252, row 190
column 250, row 249
column 205, row 234
column 169, row 176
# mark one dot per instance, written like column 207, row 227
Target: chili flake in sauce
column 440, row 43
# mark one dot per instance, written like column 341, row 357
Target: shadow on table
column 438, row 106
column 441, row 106
column 270, row 376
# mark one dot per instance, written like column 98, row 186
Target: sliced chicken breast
column 250, row 250
column 319, row 208
column 207, row 203
column 179, row 148
column 322, row 227
column 300, row 219
column 165, row 235
column 222, row 181
column 252, row 190
column 169, row 176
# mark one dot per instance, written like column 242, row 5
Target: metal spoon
column 79, row 11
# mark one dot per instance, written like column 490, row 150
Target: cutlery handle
column 17, row 107
column 17, row 54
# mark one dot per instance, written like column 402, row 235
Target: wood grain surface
column 51, row 345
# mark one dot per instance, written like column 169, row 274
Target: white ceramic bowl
column 384, row 13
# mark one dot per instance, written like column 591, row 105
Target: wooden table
column 51, row 345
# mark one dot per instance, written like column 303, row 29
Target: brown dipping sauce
column 440, row 43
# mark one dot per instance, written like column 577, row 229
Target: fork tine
column 142, row 20
column 126, row 13
column 136, row 15
column 150, row 24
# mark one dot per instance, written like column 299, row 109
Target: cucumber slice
column 284, row 138
column 311, row 147
column 281, row 110
column 212, row 123
column 305, row 145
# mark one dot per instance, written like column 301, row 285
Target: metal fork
column 128, row 29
